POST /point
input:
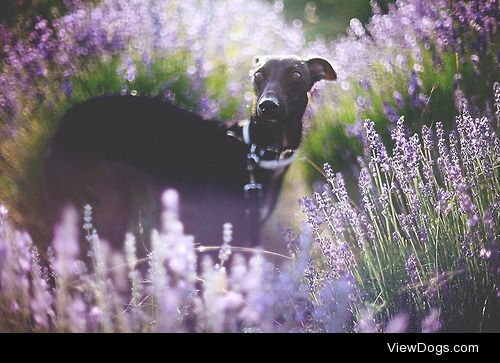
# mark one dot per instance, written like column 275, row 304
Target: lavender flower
column 367, row 323
column 427, row 138
column 365, row 185
column 66, row 245
column 227, row 237
column 87, row 218
column 378, row 149
column 398, row 324
column 133, row 274
column 412, row 269
column 496, row 88
column 42, row 302
column 432, row 323
column 390, row 113
column 313, row 218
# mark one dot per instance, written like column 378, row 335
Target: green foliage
column 328, row 139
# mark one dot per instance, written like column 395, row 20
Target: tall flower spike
column 227, row 237
column 377, row 148
column 432, row 323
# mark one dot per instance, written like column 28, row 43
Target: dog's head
column 281, row 86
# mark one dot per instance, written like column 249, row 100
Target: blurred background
column 326, row 18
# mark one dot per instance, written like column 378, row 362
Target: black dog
column 118, row 153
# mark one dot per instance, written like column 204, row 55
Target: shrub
column 114, row 291
column 426, row 234
column 167, row 291
column 419, row 61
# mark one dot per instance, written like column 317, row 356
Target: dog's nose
column 269, row 106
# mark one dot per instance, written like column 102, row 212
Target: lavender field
column 396, row 225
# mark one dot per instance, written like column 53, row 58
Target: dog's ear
column 321, row 69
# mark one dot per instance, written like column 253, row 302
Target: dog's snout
column 269, row 106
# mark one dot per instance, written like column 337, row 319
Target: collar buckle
column 269, row 153
column 253, row 159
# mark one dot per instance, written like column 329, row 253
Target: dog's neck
column 271, row 139
column 286, row 134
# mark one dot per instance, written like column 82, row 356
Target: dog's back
column 118, row 153
column 137, row 130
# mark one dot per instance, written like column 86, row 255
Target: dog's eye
column 295, row 76
column 258, row 76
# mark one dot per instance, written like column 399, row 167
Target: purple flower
column 365, row 186
column 406, row 159
column 367, row 323
column 412, row 269
column 66, row 245
column 484, row 254
column 309, row 209
column 489, row 222
column 377, row 147
column 398, row 324
column 77, row 314
column 432, row 323
column 330, row 175
column 466, row 205
column 390, row 113
column 427, row 138
column 42, row 300
column 496, row 87
column 466, row 245
column 398, row 98
column 227, row 237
